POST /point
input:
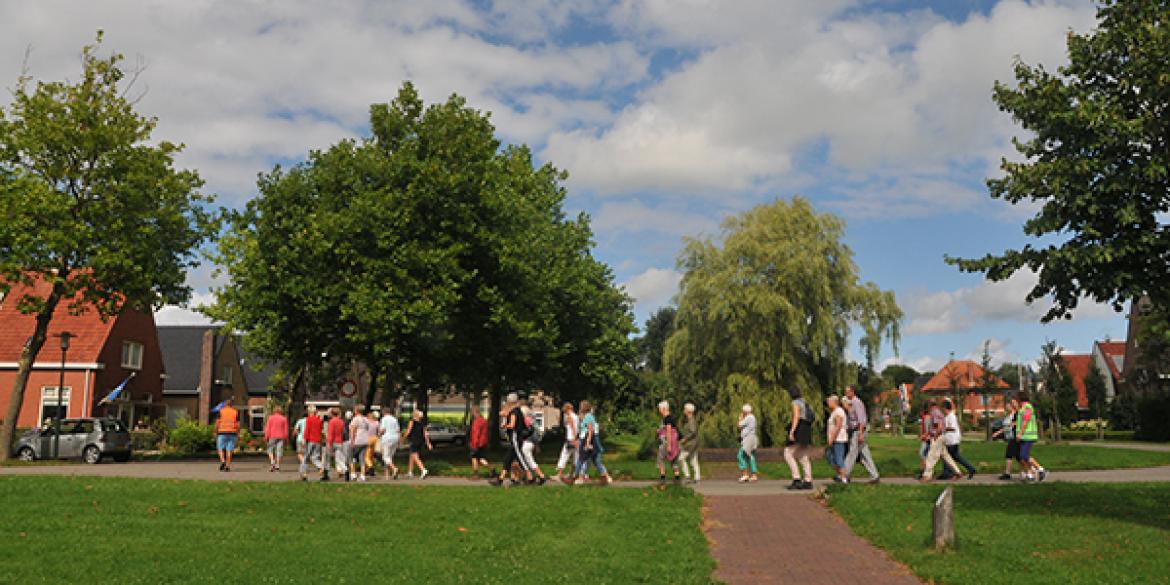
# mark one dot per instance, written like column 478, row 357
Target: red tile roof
column 88, row 329
column 1078, row 367
column 965, row 374
column 1113, row 349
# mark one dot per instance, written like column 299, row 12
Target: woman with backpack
column 531, row 438
column 799, row 439
column 589, row 434
column 748, row 442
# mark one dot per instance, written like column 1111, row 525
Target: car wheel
column 458, row 441
column 92, row 455
column 26, row 454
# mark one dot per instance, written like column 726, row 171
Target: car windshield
column 113, row 426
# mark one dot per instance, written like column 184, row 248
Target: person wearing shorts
column 312, row 434
column 275, row 435
column 799, row 440
column 299, row 431
column 1028, row 431
column 390, row 437
column 359, row 441
column 227, row 429
column 1008, row 432
column 837, row 434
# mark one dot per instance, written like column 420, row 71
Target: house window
column 49, row 402
column 225, row 376
column 132, row 355
column 258, row 420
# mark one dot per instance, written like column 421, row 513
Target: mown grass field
column 109, row 530
column 1037, row 534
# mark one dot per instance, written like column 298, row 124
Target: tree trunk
column 28, row 356
column 296, row 395
column 494, row 415
column 372, row 366
column 466, row 408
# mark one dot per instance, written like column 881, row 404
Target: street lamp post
column 65, row 335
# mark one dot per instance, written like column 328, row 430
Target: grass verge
column 1037, row 534
column 147, row 531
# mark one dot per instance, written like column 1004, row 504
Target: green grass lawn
column 1036, row 534
column 58, row 530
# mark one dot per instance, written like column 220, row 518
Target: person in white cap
column 748, row 443
column 689, row 444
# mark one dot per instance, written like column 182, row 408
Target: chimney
column 206, row 375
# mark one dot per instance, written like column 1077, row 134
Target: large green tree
column 1097, row 395
column 91, row 206
column 652, row 344
column 1096, row 163
column 433, row 254
column 769, row 308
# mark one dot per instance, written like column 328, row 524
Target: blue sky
column 668, row 114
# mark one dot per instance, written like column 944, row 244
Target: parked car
column 446, row 435
column 90, row 439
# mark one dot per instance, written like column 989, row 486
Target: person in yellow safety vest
column 227, row 429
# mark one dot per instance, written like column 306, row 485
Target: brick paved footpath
column 791, row 539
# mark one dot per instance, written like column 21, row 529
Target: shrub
column 1153, row 422
column 632, row 422
column 189, row 437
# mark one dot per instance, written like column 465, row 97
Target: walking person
column 373, row 427
column 953, row 438
column 299, row 431
column 923, row 439
column 359, row 441
column 591, row 449
column 748, row 443
column 1028, row 431
column 417, row 438
column 837, row 439
column 335, row 444
column 528, row 447
column 275, row 435
column 858, row 420
column 689, row 444
column 514, row 429
column 227, row 431
column 312, row 439
column 390, row 431
column 934, row 425
column 1007, row 430
column 667, row 444
column 570, row 450
column 799, row 442
column 477, row 440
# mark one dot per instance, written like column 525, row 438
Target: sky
column 668, row 115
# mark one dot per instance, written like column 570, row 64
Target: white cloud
column 899, row 99
column 652, row 288
column 960, row 309
column 176, row 315
column 634, row 216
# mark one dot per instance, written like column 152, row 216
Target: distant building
column 102, row 354
column 1142, row 372
column 1077, row 366
column 1109, row 357
column 963, row 380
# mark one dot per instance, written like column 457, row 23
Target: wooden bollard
column 944, row 520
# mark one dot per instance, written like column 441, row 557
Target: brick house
column 102, row 353
column 205, row 367
column 963, row 379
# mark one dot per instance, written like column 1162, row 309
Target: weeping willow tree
column 770, row 308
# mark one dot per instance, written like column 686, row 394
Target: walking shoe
column 495, row 482
column 1043, row 474
column 222, row 465
column 970, row 475
column 742, row 479
column 410, row 475
column 806, row 485
column 579, row 481
column 542, row 480
column 395, row 476
column 361, row 478
column 837, row 479
column 325, row 477
column 875, row 481
column 424, row 473
column 796, row 485
column 1005, row 477
column 753, row 478
column 303, row 478
column 514, row 483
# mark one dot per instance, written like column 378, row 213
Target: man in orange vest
column 227, row 428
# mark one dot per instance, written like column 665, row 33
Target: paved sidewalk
column 776, row 539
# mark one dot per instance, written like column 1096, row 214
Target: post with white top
column 944, row 520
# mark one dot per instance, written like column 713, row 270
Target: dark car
column 88, row 439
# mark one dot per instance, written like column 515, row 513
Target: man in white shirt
column 952, row 438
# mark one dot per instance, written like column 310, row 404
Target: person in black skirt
column 799, row 439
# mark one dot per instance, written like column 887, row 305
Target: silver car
column 90, row 439
column 444, row 434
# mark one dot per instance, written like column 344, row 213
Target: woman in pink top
column 276, row 435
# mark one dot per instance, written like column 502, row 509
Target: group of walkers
column 353, row 444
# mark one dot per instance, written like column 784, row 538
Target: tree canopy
column 769, row 309
column 1096, row 163
column 430, row 252
column 90, row 205
column 652, row 344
